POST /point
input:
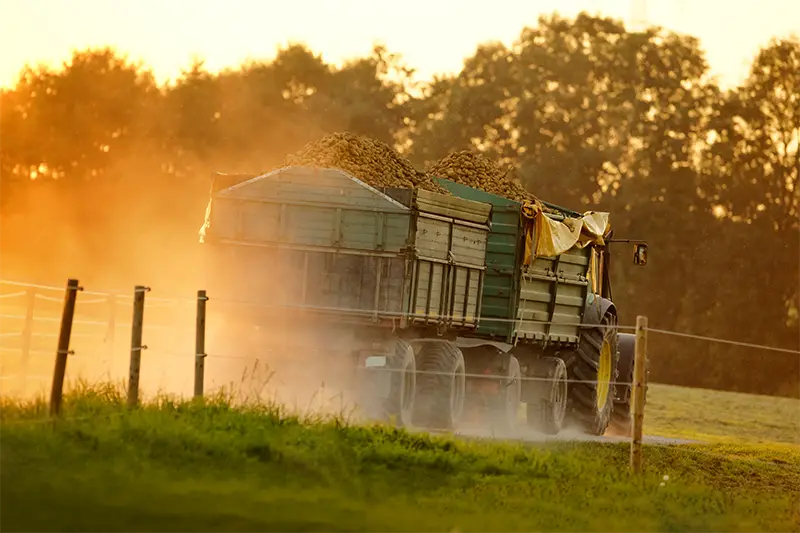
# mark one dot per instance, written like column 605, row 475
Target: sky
column 433, row 36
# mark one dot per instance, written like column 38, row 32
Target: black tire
column 441, row 383
column 546, row 403
column 506, row 409
column 590, row 395
column 399, row 406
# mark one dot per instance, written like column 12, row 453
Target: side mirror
column 640, row 254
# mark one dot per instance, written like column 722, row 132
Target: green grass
column 176, row 466
column 716, row 416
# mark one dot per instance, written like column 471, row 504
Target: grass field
column 716, row 416
column 174, row 466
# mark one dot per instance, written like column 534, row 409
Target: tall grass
column 226, row 462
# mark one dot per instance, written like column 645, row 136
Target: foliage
column 98, row 161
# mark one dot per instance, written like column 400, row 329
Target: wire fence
column 26, row 320
column 154, row 302
column 101, row 343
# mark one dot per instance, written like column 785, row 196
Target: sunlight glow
column 168, row 35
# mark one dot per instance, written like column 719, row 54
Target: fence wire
column 488, row 377
column 723, row 341
column 12, row 295
column 456, row 320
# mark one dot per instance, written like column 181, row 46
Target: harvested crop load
column 474, row 170
column 373, row 162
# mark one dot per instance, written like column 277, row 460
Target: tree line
column 107, row 172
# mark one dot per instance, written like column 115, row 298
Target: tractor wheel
column 546, row 402
column 441, row 383
column 592, row 370
column 506, row 409
column 399, row 406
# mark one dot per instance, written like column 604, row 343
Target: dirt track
column 529, row 436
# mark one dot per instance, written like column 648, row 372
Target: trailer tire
column 592, row 368
column 441, row 383
column 546, row 401
column 506, row 410
column 399, row 406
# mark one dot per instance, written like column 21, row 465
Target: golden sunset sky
column 431, row 35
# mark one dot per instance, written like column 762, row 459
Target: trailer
column 384, row 280
column 548, row 322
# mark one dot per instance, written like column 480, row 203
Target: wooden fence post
column 638, row 392
column 27, row 335
column 200, row 345
column 136, row 345
column 57, row 389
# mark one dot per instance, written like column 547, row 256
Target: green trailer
column 431, row 299
column 552, row 320
column 378, row 279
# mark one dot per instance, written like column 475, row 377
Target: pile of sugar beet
column 377, row 164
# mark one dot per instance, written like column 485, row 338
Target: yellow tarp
column 554, row 237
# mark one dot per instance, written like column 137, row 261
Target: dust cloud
column 125, row 230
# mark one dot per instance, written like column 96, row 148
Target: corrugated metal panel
column 554, row 290
column 452, row 206
column 503, row 255
column 444, row 293
column 432, row 238
column 466, row 245
column 312, row 239
column 320, row 239
column 322, row 186
column 312, row 280
column 310, row 207
column 549, row 291
column 451, row 260
column 467, row 294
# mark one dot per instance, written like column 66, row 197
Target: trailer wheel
column 441, row 383
column 399, row 405
column 506, row 410
column 593, row 369
column 546, row 399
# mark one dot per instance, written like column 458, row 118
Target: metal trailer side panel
column 448, row 273
column 285, row 280
column 312, row 239
column 503, row 257
column 284, row 224
column 311, row 185
column 450, row 238
column 553, row 290
column 549, row 290
column 475, row 211
column 310, row 207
